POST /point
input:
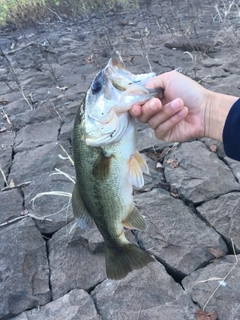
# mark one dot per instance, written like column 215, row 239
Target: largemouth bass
column 107, row 165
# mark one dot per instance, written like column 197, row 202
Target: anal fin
column 135, row 220
column 81, row 214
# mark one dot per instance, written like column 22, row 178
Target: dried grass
column 221, row 281
column 4, row 176
column 25, row 13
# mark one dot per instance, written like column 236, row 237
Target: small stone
column 175, row 235
column 34, row 162
column 24, row 268
column 200, row 174
column 75, row 305
column 37, row 134
column 11, row 205
column 52, row 212
column 223, row 215
column 77, row 259
column 149, row 293
column 226, row 299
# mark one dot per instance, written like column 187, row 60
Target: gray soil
column 49, row 268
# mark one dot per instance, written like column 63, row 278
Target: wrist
column 216, row 110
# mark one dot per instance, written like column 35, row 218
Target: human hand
column 180, row 114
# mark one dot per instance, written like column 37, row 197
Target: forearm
column 217, row 108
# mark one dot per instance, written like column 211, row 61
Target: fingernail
column 175, row 105
column 153, row 105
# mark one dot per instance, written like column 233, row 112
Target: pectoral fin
column 141, row 161
column 137, row 165
column 82, row 216
column 101, row 167
column 135, row 220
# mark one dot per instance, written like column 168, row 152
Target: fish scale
column 107, row 165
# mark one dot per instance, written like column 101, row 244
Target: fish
column 108, row 165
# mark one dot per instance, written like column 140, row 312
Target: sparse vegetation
column 23, row 13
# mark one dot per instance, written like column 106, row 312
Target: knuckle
column 143, row 119
column 160, row 133
column 151, row 123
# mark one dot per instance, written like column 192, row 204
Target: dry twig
column 4, row 177
column 71, row 178
column 26, row 99
column 24, row 216
column 5, row 116
column 15, row 186
column 65, row 151
column 221, row 280
column 56, row 111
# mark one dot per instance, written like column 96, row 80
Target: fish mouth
column 112, row 94
column 127, row 87
column 118, row 75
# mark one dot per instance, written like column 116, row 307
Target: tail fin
column 124, row 260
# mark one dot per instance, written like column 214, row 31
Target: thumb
column 159, row 81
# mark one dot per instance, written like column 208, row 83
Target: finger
column 157, row 82
column 149, row 109
column 163, row 131
column 136, row 110
column 167, row 112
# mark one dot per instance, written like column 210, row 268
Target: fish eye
column 96, row 87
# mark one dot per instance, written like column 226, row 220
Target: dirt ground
column 47, row 265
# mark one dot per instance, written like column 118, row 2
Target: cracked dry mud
column 49, row 268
